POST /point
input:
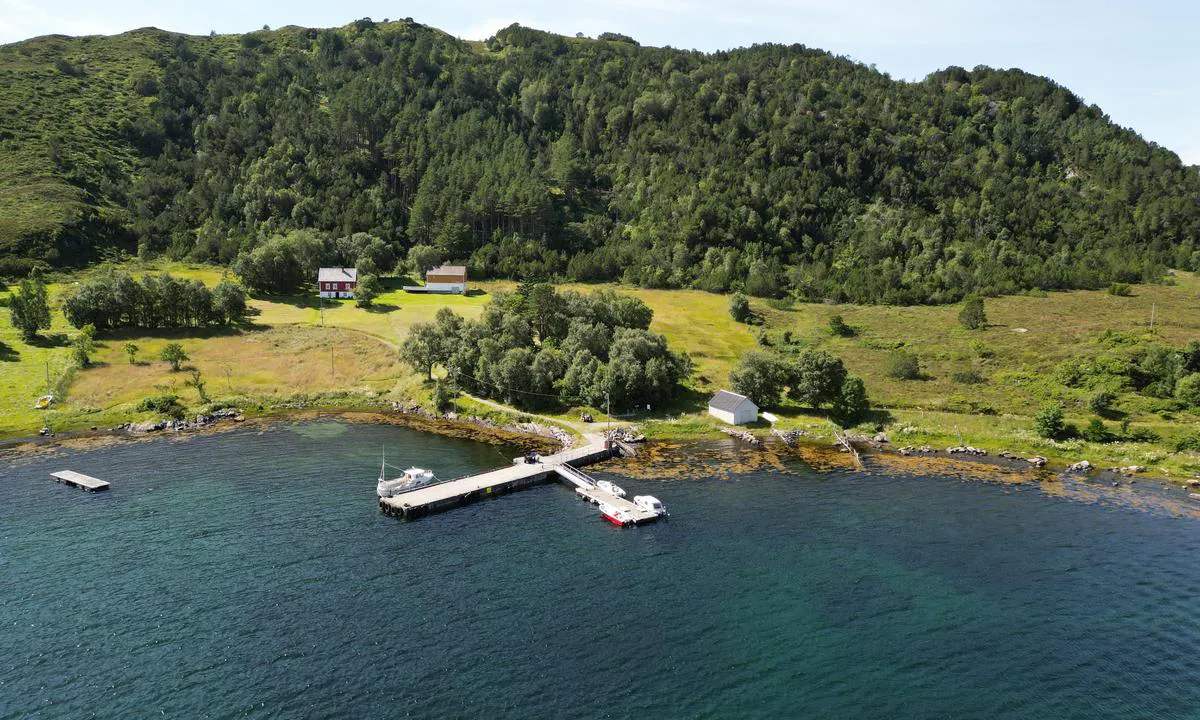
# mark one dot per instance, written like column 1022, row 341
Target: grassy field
column 282, row 355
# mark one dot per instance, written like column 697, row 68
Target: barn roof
column 449, row 270
column 728, row 401
column 337, row 275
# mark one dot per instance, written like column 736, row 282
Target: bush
column 173, row 353
column 966, row 377
column 1188, row 442
column 1120, row 289
column 739, row 308
column 903, row 366
column 838, row 327
column 1187, row 390
column 1049, row 421
column 972, row 316
column 443, row 397
column 1096, row 432
column 1101, row 401
column 166, row 404
column 982, row 349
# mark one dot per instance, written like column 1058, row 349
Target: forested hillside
column 770, row 169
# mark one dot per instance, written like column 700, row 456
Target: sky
column 1138, row 61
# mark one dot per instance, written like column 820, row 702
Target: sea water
column 251, row 574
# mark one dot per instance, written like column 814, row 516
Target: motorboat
column 413, row 477
column 650, row 503
column 611, row 488
column 615, row 515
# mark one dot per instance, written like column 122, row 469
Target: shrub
column 739, row 308
column 1101, row 401
column 982, row 349
column 903, row 366
column 972, row 316
column 1120, row 289
column 1096, row 432
column 1187, row 390
column 1049, row 421
column 173, row 353
column 166, row 404
column 1188, row 442
column 443, row 397
column 966, row 377
column 838, row 327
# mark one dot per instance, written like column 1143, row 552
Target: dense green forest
column 769, row 170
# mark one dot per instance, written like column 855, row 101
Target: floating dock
column 587, row 489
column 79, row 480
column 442, row 496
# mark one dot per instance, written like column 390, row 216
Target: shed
column 337, row 282
column 732, row 408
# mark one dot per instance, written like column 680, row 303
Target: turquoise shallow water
column 251, row 575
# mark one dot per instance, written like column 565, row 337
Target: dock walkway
column 79, row 480
column 444, row 495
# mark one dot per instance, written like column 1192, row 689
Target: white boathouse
column 732, row 408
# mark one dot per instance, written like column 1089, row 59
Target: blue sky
column 1139, row 61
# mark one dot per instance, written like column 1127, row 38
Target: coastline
column 663, row 457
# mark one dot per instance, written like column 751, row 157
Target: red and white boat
column 615, row 515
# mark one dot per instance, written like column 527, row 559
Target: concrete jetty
column 79, row 480
column 562, row 465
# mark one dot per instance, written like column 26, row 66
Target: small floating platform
column 79, row 480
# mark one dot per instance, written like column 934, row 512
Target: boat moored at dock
column 611, row 488
column 616, row 515
column 413, row 477
column 650, row 504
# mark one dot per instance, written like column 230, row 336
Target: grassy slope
column 284, row 356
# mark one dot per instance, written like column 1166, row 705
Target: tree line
column 112, row 298
column 770, row 170
column 540, row 348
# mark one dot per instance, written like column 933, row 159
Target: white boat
column 610, row 488
column 412, row 478
column 650, row 504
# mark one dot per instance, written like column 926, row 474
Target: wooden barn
column 449, row 279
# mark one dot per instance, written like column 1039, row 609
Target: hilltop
column 771, row 169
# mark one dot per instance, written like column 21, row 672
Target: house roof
column 337, row 275
column 449, row 270
column 728, row 401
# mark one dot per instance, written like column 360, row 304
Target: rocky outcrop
column 913, row 450
column 1128, row 470
column 1081, row 467
column 196, row 423
column 562, row 437
column 740, row 435
column 966, row 450
column 789, row 437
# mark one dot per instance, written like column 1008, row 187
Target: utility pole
column 1153, row 308
column 608, row 404
column 454, row 388
column 331, row 361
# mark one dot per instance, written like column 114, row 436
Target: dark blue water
column 251, row 575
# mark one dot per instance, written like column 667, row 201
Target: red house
column 337, row 282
